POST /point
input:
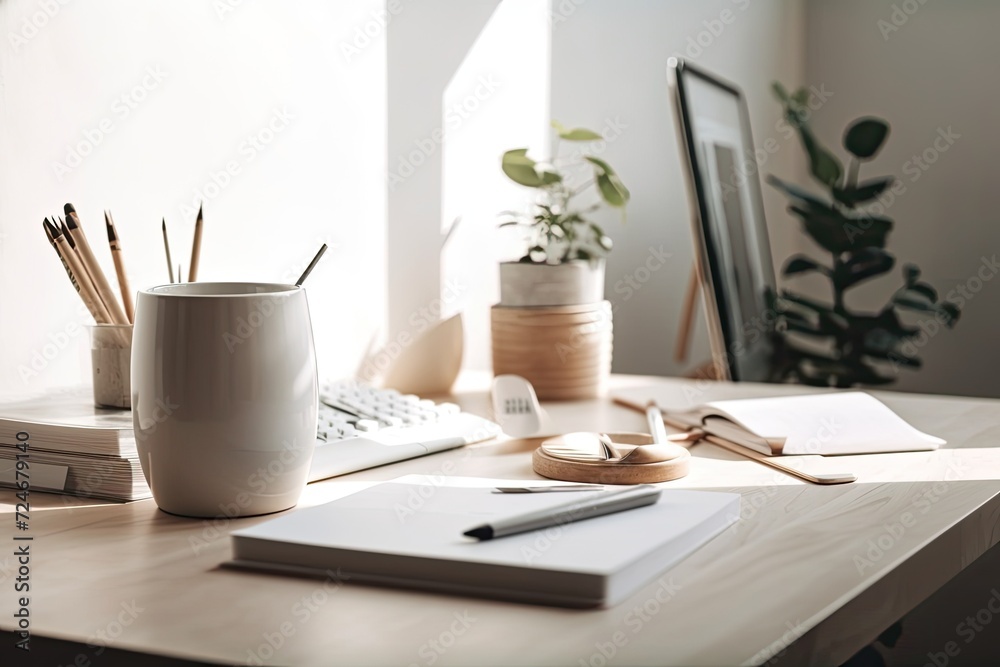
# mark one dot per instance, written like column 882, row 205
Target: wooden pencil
column 50, row 230
column 195, row 249
column 166, row 248
column 86, row 288
column 89, row 262
column 116, row 255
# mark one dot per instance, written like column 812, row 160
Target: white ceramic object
column 224, row 396
column 523, row 284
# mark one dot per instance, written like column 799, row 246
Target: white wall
column 226, row 71
column 609, row 69
column 467, row 81
column 927, row 71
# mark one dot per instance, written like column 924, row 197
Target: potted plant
column 831, row 343
column 553, row 325
column 564, row 260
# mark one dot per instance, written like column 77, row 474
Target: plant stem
column 853, row 169
column 573, row 193
column 838, row 294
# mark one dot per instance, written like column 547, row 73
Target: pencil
column 116, row 255
column 166, row 247
column 50, row 230
column 195, row 249
column 89, row 262
column 87, row 291
column 62, row 228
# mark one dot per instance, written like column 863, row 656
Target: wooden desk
column 813, row 572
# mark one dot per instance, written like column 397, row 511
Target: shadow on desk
column 46, row 651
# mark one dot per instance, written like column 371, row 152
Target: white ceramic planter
column 574, row 283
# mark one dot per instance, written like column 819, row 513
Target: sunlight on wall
column 271, row 113
column 498, row 99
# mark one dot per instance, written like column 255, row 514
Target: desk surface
column 811, row 572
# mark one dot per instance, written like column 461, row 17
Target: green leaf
column 550, row 177
column 838, row 233
column 795, row 191
column 780, row 92
column 925, row 290
column 823, row 164
column 815, row 306
column 802, row 264
column 520, row 168
column 863, row 192
column 862, row 265
column 801, row 97
column 805, row 328
column 865, row 136
column 576, row 134
column 612, row 190
column 951, row 311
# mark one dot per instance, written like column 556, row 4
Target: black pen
column 577, row 510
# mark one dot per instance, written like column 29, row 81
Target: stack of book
column 74, row 448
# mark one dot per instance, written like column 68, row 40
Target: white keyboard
column 363, row 427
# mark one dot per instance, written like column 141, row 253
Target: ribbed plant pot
column 554, row 328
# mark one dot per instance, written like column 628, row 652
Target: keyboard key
column 366, row 425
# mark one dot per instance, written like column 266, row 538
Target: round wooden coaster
column 675, row 464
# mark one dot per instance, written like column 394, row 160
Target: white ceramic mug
column 224, row 396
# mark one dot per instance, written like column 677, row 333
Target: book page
column 830, row 423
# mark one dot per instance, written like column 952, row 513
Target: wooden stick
column 86, row 288
column 195, row 250
column 89, row 262
column 827, row 478
column 116, row 255
column 683, row 345
column 166, row 248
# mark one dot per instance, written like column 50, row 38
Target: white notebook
column 408, row 533
column 832, row 423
